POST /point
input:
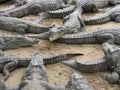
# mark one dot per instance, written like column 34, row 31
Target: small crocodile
column 35, row 7
column 93, row 5
column 35, row 77
column 21, row 26
column 111, row 15
column 109, row 62
column 78, row 82
column 9, row 63
column 60, row 13
column 97, row 36
column 72, row 23
column 15, row 41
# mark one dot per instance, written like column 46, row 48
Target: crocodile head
column 16, row 41
column 20, row 2
column 56, row 32
column 79, row 82
column 112, row 55
column 35, row 73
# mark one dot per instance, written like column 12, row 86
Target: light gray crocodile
column 60, row 13
column 110, row 62
column 9, row 63
column 35, row 7
column 78, row 82
column 18, row 3
column 35, row 77
column 15, row 41
column 21, row 26
column 93, row 5
column 111, row 15
column 72, row 23
column 97, row 36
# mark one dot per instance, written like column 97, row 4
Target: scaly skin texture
column 21, row 26
column 72, row 23
column 109, row 62
column 78, row 82
column 60, row 13
column 9, row 63
column 18, row 3
column 93, row 5
column 35, row 77
column 111, row 15
column 97, row 36
column 35, row 7
column 15, row 41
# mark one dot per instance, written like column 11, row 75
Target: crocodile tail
column 60, row 57
column 98, row 65
column 101, row 19
column 60, row 13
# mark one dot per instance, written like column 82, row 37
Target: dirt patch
column 91, row 52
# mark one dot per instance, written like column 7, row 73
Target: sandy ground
column 91, row 52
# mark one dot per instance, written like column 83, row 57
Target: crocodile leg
column 51, row 86
column 83, row 26
column 116, row 17
column 41, row 16
column 21, row 28
column 107, row 38
column 112, row 78
column 2, row 44
column 6, row 70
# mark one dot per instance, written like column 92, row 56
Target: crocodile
column 20, row 26
column 35, row 77
column 9, row 62
column 72, row 23
column 18, row 3
column 111, row 15
column 15, row 41
column 59, row 13
column 35, row 7
column 93, row 5
column 109, row 62
column 78, row 82
column 98, row 36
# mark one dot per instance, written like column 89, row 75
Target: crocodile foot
column 112, row 78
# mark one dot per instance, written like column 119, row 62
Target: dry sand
column 91, row 52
